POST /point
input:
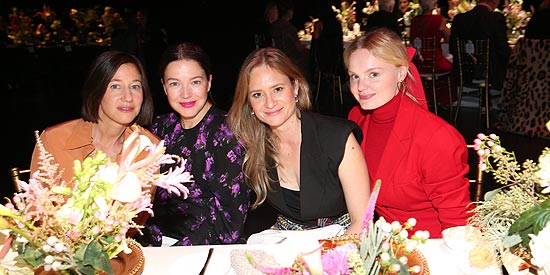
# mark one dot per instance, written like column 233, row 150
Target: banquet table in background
column 306, row 40
column 174, row 260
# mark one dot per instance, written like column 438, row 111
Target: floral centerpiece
column 383, row 248
column 515, row 219
column 78, row 227
column 413, row 10
column 516, row 17
column 369, row 8
column 345, row 14
column 47, row 28
column 460, row 6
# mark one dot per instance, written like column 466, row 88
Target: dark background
column 40, row 87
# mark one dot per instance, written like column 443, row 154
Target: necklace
column 112, row 150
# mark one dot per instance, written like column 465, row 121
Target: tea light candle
column 356, row 29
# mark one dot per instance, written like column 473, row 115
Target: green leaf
column 29, row 254
column 403, row 270
column 526, row 220
column 490, row 194
column 92, row 256
column 511, row 240
column 531, row 221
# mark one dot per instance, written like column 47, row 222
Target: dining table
column 347, row 39
column 182, row 259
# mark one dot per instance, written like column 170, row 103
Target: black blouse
column 321, row 195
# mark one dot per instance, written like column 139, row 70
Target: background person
column 428, row 24
column 483, row 22
column 285, row 37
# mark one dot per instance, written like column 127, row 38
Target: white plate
column 192, row 264
column 270, row 236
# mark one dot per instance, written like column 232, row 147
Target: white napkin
column 167, row 241
column 271, row 236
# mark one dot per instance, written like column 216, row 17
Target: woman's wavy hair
column 255, row 136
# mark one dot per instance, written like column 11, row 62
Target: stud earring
column 252, row 113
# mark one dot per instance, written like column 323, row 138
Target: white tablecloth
column 167, row 260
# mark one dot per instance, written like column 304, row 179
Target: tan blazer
column 70, row 141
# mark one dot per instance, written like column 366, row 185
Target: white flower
column 544, row 173
column 127, row 189
column 540, row 249
column 70, row 214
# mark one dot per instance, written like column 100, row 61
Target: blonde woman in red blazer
column 421, row 159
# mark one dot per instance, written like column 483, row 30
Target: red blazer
column 422, row 170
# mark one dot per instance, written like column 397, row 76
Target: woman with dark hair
column 115, row 100
column 218, row 202
column 115, row 96
column 307, row 166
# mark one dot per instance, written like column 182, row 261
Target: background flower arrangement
column 79, row 226
column 383, row 248
column 345, row 14
column 460, row 6
column 370, row 8
column 413, row 10
column 516, row 217
column 516, row 17
column 46, row 27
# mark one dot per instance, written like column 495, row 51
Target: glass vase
column 345, row 28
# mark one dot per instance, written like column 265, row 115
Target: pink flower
column 335, row 261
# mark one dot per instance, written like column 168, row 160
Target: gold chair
column 425, row 62
column 478, row 181
column 473, row 72
column 15, row 174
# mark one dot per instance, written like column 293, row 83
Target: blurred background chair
column 17, row 174
column 327, row 62
column 473, row 73
column 478, row 181
column 425, row 62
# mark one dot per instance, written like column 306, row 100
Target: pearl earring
column 252, row 113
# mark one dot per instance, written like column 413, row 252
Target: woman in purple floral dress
column 218, row 203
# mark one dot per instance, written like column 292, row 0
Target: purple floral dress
column 218, row 202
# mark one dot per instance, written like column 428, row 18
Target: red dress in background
column 428, row 25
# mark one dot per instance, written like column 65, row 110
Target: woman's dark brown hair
column 102, row 71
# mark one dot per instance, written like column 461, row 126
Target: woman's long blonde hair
column 257, row 137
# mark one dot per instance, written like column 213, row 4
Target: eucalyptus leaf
column 490, row 194
column 403, row 268
column 511, row 240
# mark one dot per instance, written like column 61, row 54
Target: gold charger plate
column 122, row 264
